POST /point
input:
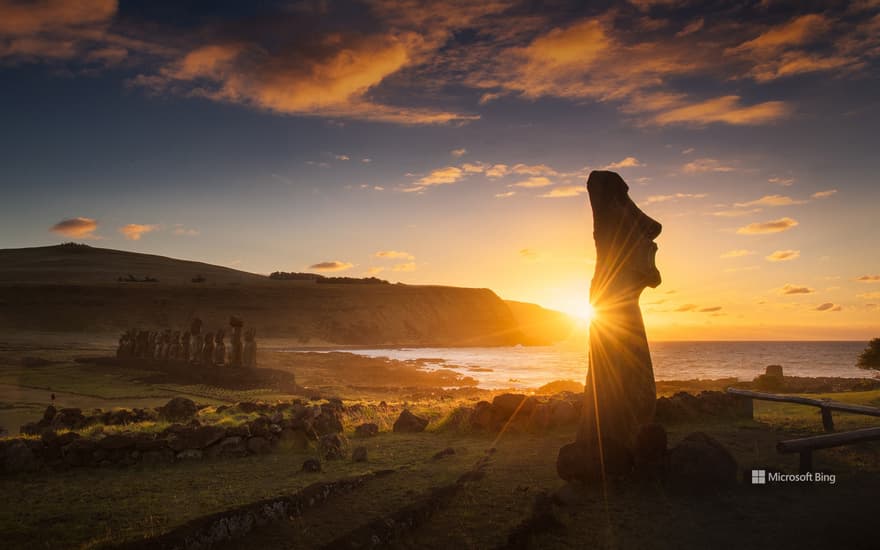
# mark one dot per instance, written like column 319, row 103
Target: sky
column 449, row 142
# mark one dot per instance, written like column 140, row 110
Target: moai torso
column 235, row 358
column 208, row 350
column 219, row 349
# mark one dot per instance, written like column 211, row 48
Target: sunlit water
column 529, row 367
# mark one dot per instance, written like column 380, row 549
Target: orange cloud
column 774, row 226
column 737, row 253
column 799, row 31
column 534, row 170
column 331, row 77
column 828, row 306
column 705, row 165
column 726, row 109
column 533, row 182
column 442, row 176
column 334, row 265
column 564, row 192
column 79, row 228
column 781, row 181
column 394, row 254
column 770, row 200
column 134, row 231
column 55, row 29
column 823, row 194
column 783, row 256
column 410, row 266
column 664, row 198
column 628, row 162
column 868, row 279
column 794, row 289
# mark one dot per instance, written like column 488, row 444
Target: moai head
column 624, row 235
column 250, row 334
column 195, row 326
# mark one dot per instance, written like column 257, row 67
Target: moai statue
column 185, row 347
column 208, row 350
column 195, row 329
column 151, row 344
column 620, row 395
column 174, row 349
column 143, row 340
column 219, row 348
column 165, row 345
column 130, row 343
column 236, row 351
column 250, row 348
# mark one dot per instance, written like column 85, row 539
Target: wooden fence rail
column 806, row 445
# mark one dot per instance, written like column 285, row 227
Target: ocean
column 529, row 367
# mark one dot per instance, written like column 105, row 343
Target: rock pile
column 684, row 406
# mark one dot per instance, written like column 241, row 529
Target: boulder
column 327, row 422
column 333, row 446
column 407, row 422
column 70, row 419
column 158, row 456
column 259, row 445
column 290, row 439
column 19, row 457
column 179, row 409
column 195, row 438
column 504, row 406
column 190, row 454
column 359, row 454
column 699, row 463
column 311, row 466
column 367, row 429
column 233, row 446
column 578, row 462
column 562, row 413
column 481, row 418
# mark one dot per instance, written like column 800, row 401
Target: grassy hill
column 87, row 289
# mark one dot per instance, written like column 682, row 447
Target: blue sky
column 458, row 135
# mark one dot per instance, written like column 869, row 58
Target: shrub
column 870, row 358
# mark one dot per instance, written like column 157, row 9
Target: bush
column 870, row 358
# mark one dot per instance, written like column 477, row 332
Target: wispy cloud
column 824, row 194
column 182, row 230
column 333, row 265
column 134, row 231
column 78, row 228
column 528, row 254
column 869, row 295
column 783, row 256
column 505, row 195
column 628, row 162
column 674, row 197
column 828, row 306
column 788, row 289
column 534, row 182
column 394, row 254
column 702, row 165
column 457, row 153
column 773, row 226
column 726, row 109
column 533, row 170
column 770, row 200
column 737, row 253
column 781, row 181
column 564, row 191
column 868, row 278
column 737, row 213
column 442, row 176
column 409, row 266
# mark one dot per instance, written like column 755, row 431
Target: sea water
column 523, row 367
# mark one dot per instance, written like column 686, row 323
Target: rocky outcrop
column 407, row 422
column 179, row 409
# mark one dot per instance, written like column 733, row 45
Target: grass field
column 95, row 508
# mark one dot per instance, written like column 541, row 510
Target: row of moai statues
column 191, row 345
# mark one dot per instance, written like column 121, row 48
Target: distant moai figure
column 250, row 348
column 236, row 352
column 165, row 345
column 174, row 350
column 208, row 349
column 195, row 329
column 151, row 344
column 126, row 344
column 186, row 346
column 219, row 348
column 141, row 342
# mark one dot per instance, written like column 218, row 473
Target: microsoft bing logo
column 759, row 477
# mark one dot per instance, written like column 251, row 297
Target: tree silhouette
column 870, row 358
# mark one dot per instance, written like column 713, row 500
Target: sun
column 585, row 312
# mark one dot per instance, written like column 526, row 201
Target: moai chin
column 620, row 395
